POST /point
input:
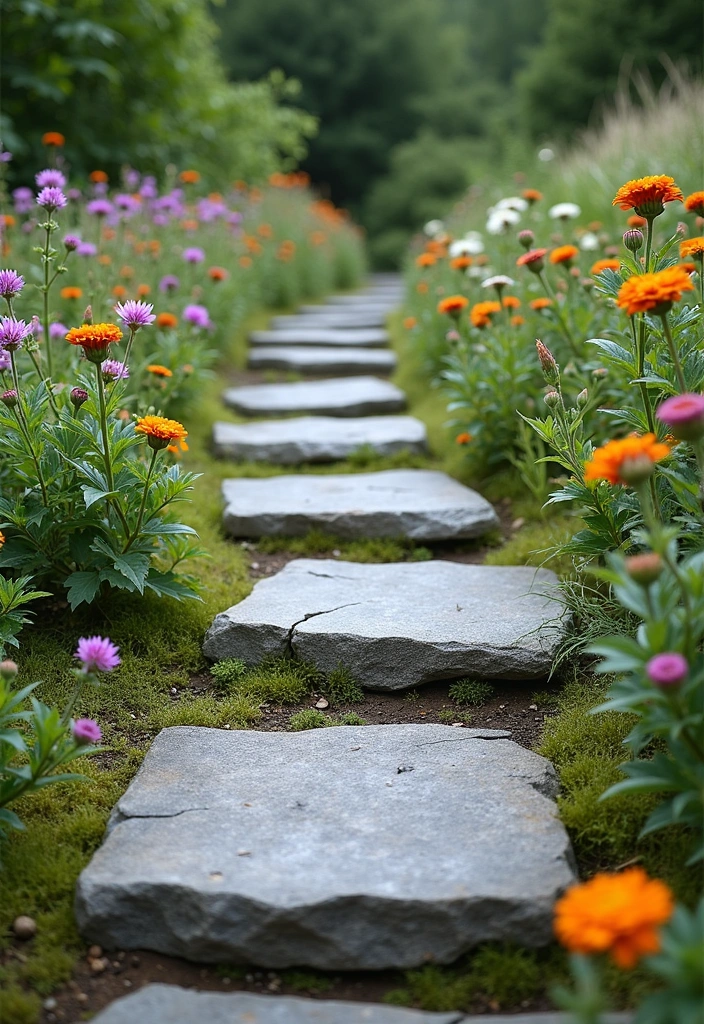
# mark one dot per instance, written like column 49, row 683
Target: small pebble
column 457, row 725
column 244, row 853
column 135, row 961
column 50, row 1003
column 174, row 690
column 533, row 707
column 336, row 553
column 95, row 952
column 518, row 523
column 82, row 997
column 322, row 704
column 502, row 706
column 255, row 565
column 24, row 927
column 98, row 966
column 127, row 983
column 227, row 981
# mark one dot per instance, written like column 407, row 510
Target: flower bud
column 9, row 398
column 682, row 229
column 633, row 239
column 71, row 243
column 88, row 315
column 526, row 238
column 78, row 396
column 600, row 373
column 582, row 398
column 667, row 669
column 452, row 336
column 645, row 568
column 551, row 371
column 552, row 399
column 637, row 470
column 8, row 670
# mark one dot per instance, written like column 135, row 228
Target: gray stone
column 381, row 296
column 309, row 359
column 379, row 308
column 349, row 865
column 317, row 438
column 327, row 337
column 167, row 1004
column 338, row 321
column 421, row 504
column 401, row 624
column 338, row 396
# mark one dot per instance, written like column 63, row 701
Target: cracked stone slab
column 339, row 321
column 398, row 625
column 327, row 337
column 312, row 359
column 317, row 438
column 336, row 396
column 421, row 504
column 352, row 848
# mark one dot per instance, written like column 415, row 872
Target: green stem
column 24, row 430
column 104, row 427
column 674, row 355
column 639, row 345
column 648, row 243
column 129, row 346
column 143, row 503
column 563, row 323
column 47, row 345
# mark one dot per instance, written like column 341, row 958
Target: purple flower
column 5, row 361
column 160, row 220
column 135, row 314
column 148, row 187
column 35, row 325
column 11, row 283
column 51, row 199
column 667, row 669
column 5, row 156
column 71, row 242
column 57, row 330
column 113, row 369
column 13, row 332
column 50, row 178
column 99, row 207
column 127, row 203
column 74, row 194
column 234, row 218
column 100, row 188
column 86, row 731
column 198, row 316
column 9, row 398
column 78, row 396
column 97, row 654
column 131, row 178
column 193, row 255
column 684, row 415
column 169, row 283
column 86, row 249
column 24, row 199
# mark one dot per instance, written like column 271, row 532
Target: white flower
column 477, row 271
column 589, row 241
column 499, row 220
column 512, row 203
column 498, row 281
column 546, row 155
column 434, row 228
column 469, row 246
column 564, row 211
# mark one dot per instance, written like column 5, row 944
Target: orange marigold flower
column 166, row 320
column 245, row 262
column 463, row 438
column 409, row 323
column 189, row 224
column 517, row 321
column 461, row 262
column 647, row 196
column 160, row 432
column 99, row 177
column 286, row 251
column 3, row 538
column 189, row 177
column 265, row 231
column 104, row 260
column 142, row 290
column 636, row 222
column 119, row 291
column 511, row 302
column 94, row 337
column 252, row 244
column 71, row 292
column 692, row 247
column 605, row 265
column 691, row 268
column 453, row 305
column 482, row 312
column 126, row 271
column 653, row 291
column 154, row 246
column 422, row 287
column 159, row 371
column 426, row 259
column 176, row 449
column 533, row 259
column 532, row 195
column 694, row 203
column 318, row 238
column 619, row 914
column 564, row 254
column 53, row 139
column 8, row 220
column 218, row 274
column 108, row 234
column 541, row 303
column 614, row 459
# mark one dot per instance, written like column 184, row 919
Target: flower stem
column 639, row 345
column 558, row 313
column 648, row 243
column 143, row 503
column 47, row 249
column 129, row 345
column 104, row 427
column 24, row 430
column 674, row 355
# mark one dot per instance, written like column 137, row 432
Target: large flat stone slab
column 337, row 321
column 379, row 296
column 351, row 848
column 328, row 337
column 338, row 396
column 401, row 624
column 343, row 308
column 318, row 438
column 420, row 504
column 312, row 359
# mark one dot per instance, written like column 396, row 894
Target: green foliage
column 449, row 716
column 471, row 692
column 307, row 981
column 341, row 687
column 309, row 718
column 13, row 595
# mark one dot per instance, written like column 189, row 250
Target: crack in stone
column 313, row 615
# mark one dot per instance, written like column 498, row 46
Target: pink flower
column 667, row 669
column 85, row 731
column 684, row 415
column 135, row 314
column 97, row 653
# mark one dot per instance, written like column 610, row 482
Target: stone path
column 346, row 320
column 341, row 396
column 313, row 359
column 326, row 336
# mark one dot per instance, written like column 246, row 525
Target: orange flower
column 245, row 262
column 265, row 231
column 541, row 303
column 127, row 271
column 286, row 251
column 437, row 246
column 119, row 291
column 99, row 177
column 159, row 371
column 636, row 222
column 605, row 265
column 166, row 320
column 409, row 323
column 176, row 449
column 692, row 247
column 108, row 234
column 564, row 254
column 154, row 246
column 461, row 262
column 654, row 291
column 318, row 238
column 517, row 321
column 690, row 268
column 94, row 337
column 647, row 196
column 463, row 438
column 453, row 305
column 609, row 461
column 694, row 203
column 532, row 195
column 142, row 290
column 252, row 244
column 53, row 139
column 160, row 432
column 189, row 224
column 8, row 220
column 71, row 292
column 482, row 312
column 426, row 259
column 189, row 177
column 422, row 287
column 3, row 538
column 533, row 259
column 617, row 914
column 218, row 274
column 511, row 302
column 104, row 260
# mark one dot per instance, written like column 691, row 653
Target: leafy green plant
column 309, row 718
column 341, row 687
column 471, row 692
column 14, row 594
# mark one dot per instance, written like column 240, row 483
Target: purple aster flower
column 86, row 731
column 667, row 669
column 99, row 207
column 169, row 283
column 193, row 255
column 113, row 369
column 11, row 283
column 24, row 199
column 5, row 156
column 74, row 194
column 100, row 188
column 198, row 316
column 97, row 654
column 234, row 218
column 148, row 187
column 160, row 220
column 127, row 203
column 51, row 198
column 50, row 178
column 131, row 178
column 13, row 332
column 58, row 330
column 86, row 249
column 5, row 361
column 135, row 314
column 28, row 227
column 71, row 242
column 684, row 415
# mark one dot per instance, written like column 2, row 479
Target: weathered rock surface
column 398, row 625
column 309, row 359
column 328, row 337
column 339, row 396
column 418, row 503
column 365, row 847
column 339, row 321
column 317, row 438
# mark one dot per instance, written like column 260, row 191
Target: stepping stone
column 322, row 849
column 339, row 396
column 401, row 624
column 336, row 321
column 169, row 1004
column 385, row 297
column 317, row 438
column 312, row 359
column 327, row 337
column 420, row 504
column 341, row 309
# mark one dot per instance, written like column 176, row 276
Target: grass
column 471, row 692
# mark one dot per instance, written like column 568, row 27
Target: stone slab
column 381, row 296
column 338, row 396
column 336, row 321
column 312, row 359
column 317, row 438
column 314, row 849
column 420, row 504
column 342, row 308
column 328, row 337
column 169, row 1004
column 398, row 625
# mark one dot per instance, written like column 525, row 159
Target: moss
column 309, row 718
column 533, row 545
column 340, row 687
column 350, row 718
column 367, row 549
column 450, row 715
column 473, row 692
column 18, row 1006
column 307, row 981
